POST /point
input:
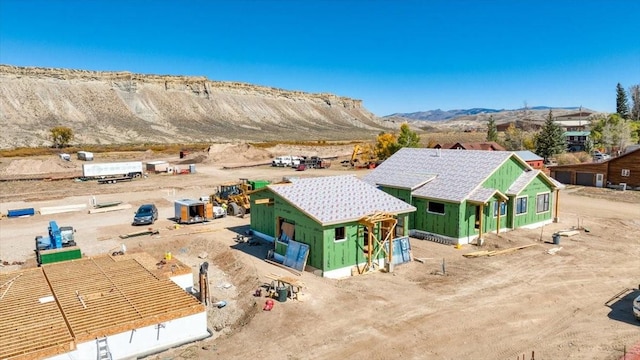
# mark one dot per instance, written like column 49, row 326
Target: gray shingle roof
column 408, row 180
column 338, row 199
column 522, row 181
column 483, row 195
column 458, row 172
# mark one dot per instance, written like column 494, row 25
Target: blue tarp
column 21, row 212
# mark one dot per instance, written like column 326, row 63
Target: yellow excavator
column 363, row 156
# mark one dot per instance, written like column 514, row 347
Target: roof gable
column 527, row 177
column 338, row 199
column 457, row 173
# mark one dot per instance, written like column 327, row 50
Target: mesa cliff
column 123, row 107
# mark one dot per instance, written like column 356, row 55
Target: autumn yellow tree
column 61, row 136
column 386, row 145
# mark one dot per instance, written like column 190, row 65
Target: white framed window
column 435, row 208
column 503, row 209
column 626, row 172
column 339, row 234
column 542, row 203
column 521, row 205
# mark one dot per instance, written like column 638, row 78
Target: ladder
column 103, row 349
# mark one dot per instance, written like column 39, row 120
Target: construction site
column 207, row 289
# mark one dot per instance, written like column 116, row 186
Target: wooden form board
column 30, row 329
column 101, row 297
column 169, row 269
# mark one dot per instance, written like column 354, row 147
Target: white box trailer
column 85, row 155
column 157, row 166
column 131, row 169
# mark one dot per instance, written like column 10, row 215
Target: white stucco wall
column 184, row 281
column 346, row 271
column 145, row 340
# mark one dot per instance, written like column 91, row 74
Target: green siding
column 468, row 220
column 505, row 175
column 307, row 231
column 344, row 253
column 262, row 218
column 537, row 186
column 404, row 195
column 447, row 224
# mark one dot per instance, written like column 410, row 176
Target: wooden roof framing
column 29, row 328
column 48, row 310
column 116, row 296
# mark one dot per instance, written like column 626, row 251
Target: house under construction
column 103, row 307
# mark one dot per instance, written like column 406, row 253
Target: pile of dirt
column 325, row 151
column 194, row 159
column 39, row 166
column 237, row 152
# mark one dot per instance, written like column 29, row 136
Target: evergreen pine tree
column 550, row 141
column 622, row 104
column 635, row 102
column 492, row 131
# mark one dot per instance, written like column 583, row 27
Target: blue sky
column 396, row 56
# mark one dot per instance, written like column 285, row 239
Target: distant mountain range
column 442, row 115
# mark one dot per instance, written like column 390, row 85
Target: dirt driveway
column 560, row 306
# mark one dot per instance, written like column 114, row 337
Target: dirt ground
column 560, row 306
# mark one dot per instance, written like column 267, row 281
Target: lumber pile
column 496, row 252
column 140, row 233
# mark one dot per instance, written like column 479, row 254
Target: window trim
column 344, row 234
column 433, row 212
column 548, row 194
column 625, row 172
column 526, row 207
column 502, row 205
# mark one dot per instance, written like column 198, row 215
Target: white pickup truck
column 286, row 161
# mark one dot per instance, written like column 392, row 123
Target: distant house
column 327, row 215
column 576, row 140
column 624, row 169
column 461, row 195
column 487, row 145
column 519, row 124
column 530, row 158
column 579, row 121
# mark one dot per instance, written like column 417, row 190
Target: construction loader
column 234, row 196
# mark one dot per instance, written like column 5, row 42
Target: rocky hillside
column 122, row 107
